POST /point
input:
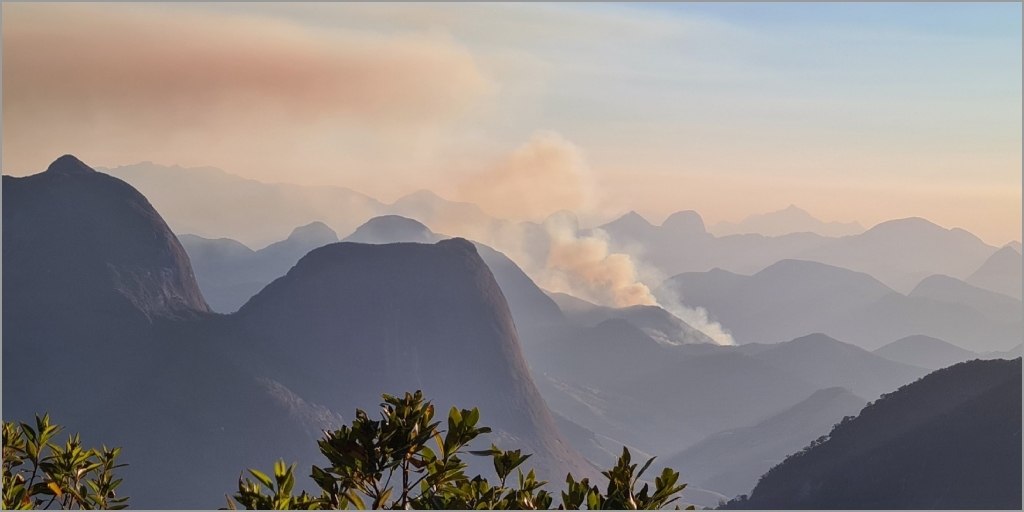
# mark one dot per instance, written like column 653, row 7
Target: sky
column 855, row 112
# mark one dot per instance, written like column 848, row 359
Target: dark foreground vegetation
column 380, row 464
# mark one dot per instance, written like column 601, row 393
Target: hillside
column 997, row 306
column 730, row 462
column 391, row 317
column 1000, row 273
column 951, row 440
column 925, row 352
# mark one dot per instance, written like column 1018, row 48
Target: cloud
column 77, row 73
column 544, row 175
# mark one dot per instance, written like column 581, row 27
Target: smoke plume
column 545, row 175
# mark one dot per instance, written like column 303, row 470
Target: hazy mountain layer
column 1000, row 273
column 792, row 298
column 731, row 461
column 784, row 222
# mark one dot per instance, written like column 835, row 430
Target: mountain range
column 95, row 275
column 202, row 356
column 792, row 297
column 783, row 222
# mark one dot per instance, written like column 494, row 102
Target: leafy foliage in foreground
column 41, row 474
column 389, row 464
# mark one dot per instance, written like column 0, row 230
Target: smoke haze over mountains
column 774, row 246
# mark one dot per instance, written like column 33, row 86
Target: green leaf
column 262, row 478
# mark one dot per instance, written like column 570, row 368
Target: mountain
column 1015, row 245
column 441, row 214
column 789, row 220
column 951, row 440
column 925, row 352
column 531, row 307
column 730, row 462
column 229, row 273
column 1013, row 353
column 786, row 300
column 698, row 389
column 81, row 237
column 106, row 330
column 654, row 321
column 390, row 318
column 793, row 298
column 388, row 229
column 898, row 253
column 211, row 203
column 1000, row 273
column 825, row 362
column 996, row 306
column 901, row 252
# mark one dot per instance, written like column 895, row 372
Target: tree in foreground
column 388, row 464
column 41, row 474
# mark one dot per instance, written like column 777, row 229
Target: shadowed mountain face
column 99, row 301
column 951, row 440
column 731, row 461
column 364, row 319
column 74, row 235
column 1001, row 273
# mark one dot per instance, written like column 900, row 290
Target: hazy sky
column 860, row 112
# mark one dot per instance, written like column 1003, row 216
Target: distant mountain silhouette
column 925, row 352
column 1015, row 245
column 792, row 298
column 1001, row 273
column 230, row 273
column 731, row 461
column 786, row 300
column 901, row 252
column 898, row 253
column 783, row 222
column 951, row 440
column 1013, row 353
column 997, row 306
column 362, row 319
column 211, row 203
column 825, row 362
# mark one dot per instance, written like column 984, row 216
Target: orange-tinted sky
column 854, row 112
